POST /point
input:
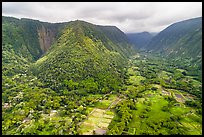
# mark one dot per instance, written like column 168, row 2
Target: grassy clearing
column 179, row 110
column 137, row 125
column 135, row 80
column 104, row 104
column 155, row 104
column 156, row 108
column 181, row 70
column 164, row 75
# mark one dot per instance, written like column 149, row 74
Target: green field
column 162, row 109
column 154, row 104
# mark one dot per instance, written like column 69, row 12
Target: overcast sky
column 127, row 16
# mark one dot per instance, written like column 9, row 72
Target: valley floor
column 157, row 98
column 160, row 108
column 98, row 120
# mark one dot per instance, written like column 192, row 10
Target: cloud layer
column 127, row 16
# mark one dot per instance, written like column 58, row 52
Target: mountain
column 85, row 52
column 139, row 39
column 60, row 67
column 24, row 41
column 59, row 52
column 119, row 38
column 153, row 33
column 181, row 43
column 182, row 38
column 75, row 50
column 28, row 38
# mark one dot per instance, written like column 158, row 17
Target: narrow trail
column 114, row 103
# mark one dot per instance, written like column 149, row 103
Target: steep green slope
column 182, row 38
column 95, row 51
column 24, row 41
column 182, row 44
column 118, row 37
column 85, row 55
column 28, row 38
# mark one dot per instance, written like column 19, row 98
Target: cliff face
column 28, row 38
column 46, row 37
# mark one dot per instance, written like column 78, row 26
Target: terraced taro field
column 98, row 120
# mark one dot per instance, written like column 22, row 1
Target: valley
column 158, row 110
column 154, row 109
column 78, row 78
column 145, row 105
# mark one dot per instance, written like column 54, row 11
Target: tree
column 80, row 108
column 89, row 85
column 71, row 85
column 105, row 90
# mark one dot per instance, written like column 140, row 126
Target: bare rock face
column 46, row 37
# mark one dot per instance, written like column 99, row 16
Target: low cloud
column 127, row 16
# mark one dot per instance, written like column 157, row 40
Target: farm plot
column 152, row 107
column 179, row 98
column 166, row 92
column 98, row 120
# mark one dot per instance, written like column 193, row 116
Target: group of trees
column 27, row 107
column 28, row 102
column 124, row 116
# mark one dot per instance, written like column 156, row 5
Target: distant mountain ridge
column 140, row 40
